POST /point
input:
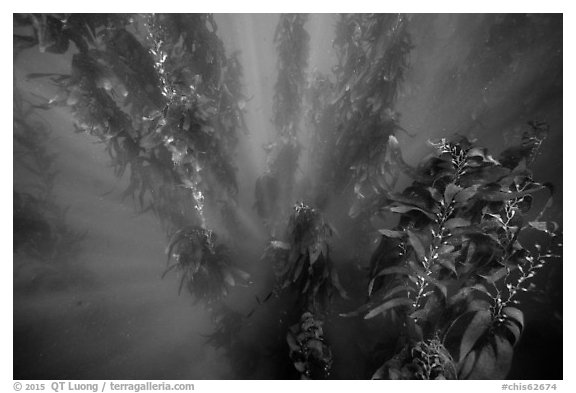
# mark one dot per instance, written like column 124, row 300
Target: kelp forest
column 293, row 196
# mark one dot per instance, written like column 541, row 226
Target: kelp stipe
column 41, row 229
column 352, row 117
column 164, row 99
column 372, row 54
column 274, row 189
column 167, row 115
column 302, row 264
column 450, row 272
column 167, row 105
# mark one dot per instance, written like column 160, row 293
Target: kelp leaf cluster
column 167, row 106
column 425, row 360
column 40, row 227
column 309, row 352
column 292, row 44
column 455, row 264
column 204, row 264
column 274, row 188
column 372, row 58
column 302, row 262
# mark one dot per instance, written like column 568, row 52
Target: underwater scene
column 287, row 196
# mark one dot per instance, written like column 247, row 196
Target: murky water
column 107, row 313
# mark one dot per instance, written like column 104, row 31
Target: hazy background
column 122, row 321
